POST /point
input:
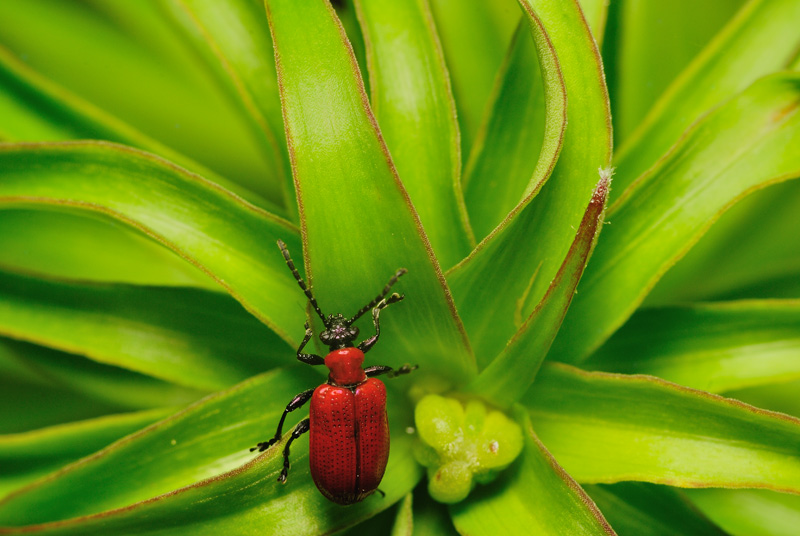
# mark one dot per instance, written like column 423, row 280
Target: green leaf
column 596, row 13
column 350, row 195
column 518, row 122
column 751, row 251
column 124, row 58
column 778, row 397
column 714, row 347
column 414, row 106
column 538, row 498
column 740, row 147
column 181, row 335
column 750, row 512
column 29, row 400
column 606, row 428
column 404, row 522
column 475, row 36
column 638, row 509
column 761, row 39
column 431, row 518
column 527, row 349
column 26, row 457
column 33, row 108
column 486, row 295
column 644, row 30
column 71, row 246
column 109, row 385
column 234, row 38
column 230, row 240
column 209, row 440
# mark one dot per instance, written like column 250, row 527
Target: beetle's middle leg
column 377, row 370
column 297, row 402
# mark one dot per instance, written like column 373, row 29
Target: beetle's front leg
column 301, row 428
column 376, row 314
column 309, row 359
column 297, row 402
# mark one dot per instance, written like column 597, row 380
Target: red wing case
column 349, row 440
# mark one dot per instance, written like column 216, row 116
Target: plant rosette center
column 462, row 443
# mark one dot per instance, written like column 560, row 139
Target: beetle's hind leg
column 301, row 428
column 297, row 402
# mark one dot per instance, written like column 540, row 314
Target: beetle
column 347, row 424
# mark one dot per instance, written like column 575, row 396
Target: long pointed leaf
column 761, row 39
column 750, row 512
column 209, row 440
column 227, row 238
column 744, row 145
column 662, row 30
column 606, row 428
column 28, row 456
column 33, row 108
column 537, row 234
column 637, row 509
column 714, row 347
column 414, row 106
column 527, row 349
column 475, row 35
column 358, row 224
column 46, row 368
column 124, row 58
column 181, row 335
column 234, row 36
column 540, row 498
column 69, row 245
column 518, row 122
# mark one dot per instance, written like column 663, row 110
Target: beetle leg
column 377, row 370
column 309, row 359
column 366, row 345
column 297, row 402
column 301, row 428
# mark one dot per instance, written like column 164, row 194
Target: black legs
column 376, row 314
column 378, row 370
column 301, row 428
column 297, row 402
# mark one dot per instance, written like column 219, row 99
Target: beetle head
column 338, row 332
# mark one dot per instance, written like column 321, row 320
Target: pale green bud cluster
column 463, row 443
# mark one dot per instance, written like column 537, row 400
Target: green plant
column 148, row 323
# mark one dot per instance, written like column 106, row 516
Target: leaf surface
column 540, row 498
column 744, row 145
column 186, row 336
column 475, row 36
column 535, row 237
column 606, row 428
column 638, row 509
column 413, row 104
column 750, row 512
column 25, row 457
column 760, row 40
column 125, row 58
column 350, row 195
column 713, row 347
column 227, row 238
column 209, row 440
column 528, row 348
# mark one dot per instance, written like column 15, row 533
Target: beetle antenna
column 380, row 296
column 300, row 281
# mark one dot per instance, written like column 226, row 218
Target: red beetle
column 347, row 424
